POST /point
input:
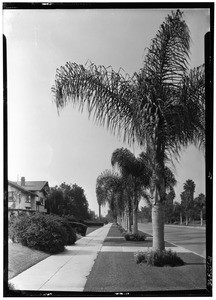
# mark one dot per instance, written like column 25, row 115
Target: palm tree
column 200, row 203
column 109, row 190
column 100, row 198
column 136, row 175
column 187, row 197
column 161, row 107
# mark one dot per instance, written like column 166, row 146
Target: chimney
column 22, row 181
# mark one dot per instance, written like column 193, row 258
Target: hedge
column 71, row 235
column 79, row 227
column 92, row 223
column 47, row 233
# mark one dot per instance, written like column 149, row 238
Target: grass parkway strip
column 115, row 269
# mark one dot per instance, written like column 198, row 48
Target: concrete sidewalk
column 66, row 271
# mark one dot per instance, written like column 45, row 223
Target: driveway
column 193, row 239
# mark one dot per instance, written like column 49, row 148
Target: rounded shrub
column 46, row 234
column 79, row 228
column 39, row 231
column 71, row 235
column 135, row 237
column 159, row 258
column 17, row 228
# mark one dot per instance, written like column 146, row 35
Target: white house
column 29, row 196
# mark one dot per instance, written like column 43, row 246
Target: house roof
column 23, row 189
column 34, row 185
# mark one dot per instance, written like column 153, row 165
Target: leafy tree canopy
column 68, row 199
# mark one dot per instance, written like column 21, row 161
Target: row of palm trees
column 161, row 107
column 122, row 191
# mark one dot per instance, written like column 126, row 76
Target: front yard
column 21, row 258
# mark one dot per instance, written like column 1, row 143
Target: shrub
column 46, row 234
column 93, row 223
column 79, row 228
column 159, row 258
column 135, row 237
column 38, row 231
column 71, row 235
column 17, row 228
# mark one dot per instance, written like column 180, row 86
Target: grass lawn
column 118, row 271
column 21, row 258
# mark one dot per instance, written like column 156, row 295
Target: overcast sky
column 69, row 147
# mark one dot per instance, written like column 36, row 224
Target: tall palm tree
column 187, row 197
column 161, row 106
column 200, row 203
column 136, row 174
column 109, row 190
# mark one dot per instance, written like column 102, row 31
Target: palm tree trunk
column 180, row 218
column 99, row 211
column 158, row 226
column 135, row 209
column 129, row 227
column 129, row 222
column 135, row 225
column 201, row 218
column 125, row 220
column 186, row 220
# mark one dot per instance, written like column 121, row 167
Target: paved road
column 193, row 239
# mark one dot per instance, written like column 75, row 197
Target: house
column 29, row 196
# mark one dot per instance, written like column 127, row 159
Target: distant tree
column 55, row 201
column 109, row 216
column 80, row 202
column 92, row 215
column 109, row 190
column 68, row 199
column 145, row 213
column 169, row 207
column 177, row 211
column 187, row 198
column 136, row 174
column 200, row 205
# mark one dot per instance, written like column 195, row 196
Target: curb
column 184, row 226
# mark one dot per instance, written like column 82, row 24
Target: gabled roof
column 21, row 188
column 34, row 185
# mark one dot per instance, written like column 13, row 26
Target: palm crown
column 162, row 102
column 161, row 106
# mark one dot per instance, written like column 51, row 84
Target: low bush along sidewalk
column 48, row 233
column 158, row 258
column 132, row 236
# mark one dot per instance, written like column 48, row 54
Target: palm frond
column 167, row 57
column 108, row 95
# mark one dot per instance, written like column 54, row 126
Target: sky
column 69, row 147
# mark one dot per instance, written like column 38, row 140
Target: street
column 193, row 239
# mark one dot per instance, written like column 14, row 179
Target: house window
column 28, row 199
column 41, row 201
column 11, row 197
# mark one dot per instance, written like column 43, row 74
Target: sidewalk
column 103, row 262
column 65, row 271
